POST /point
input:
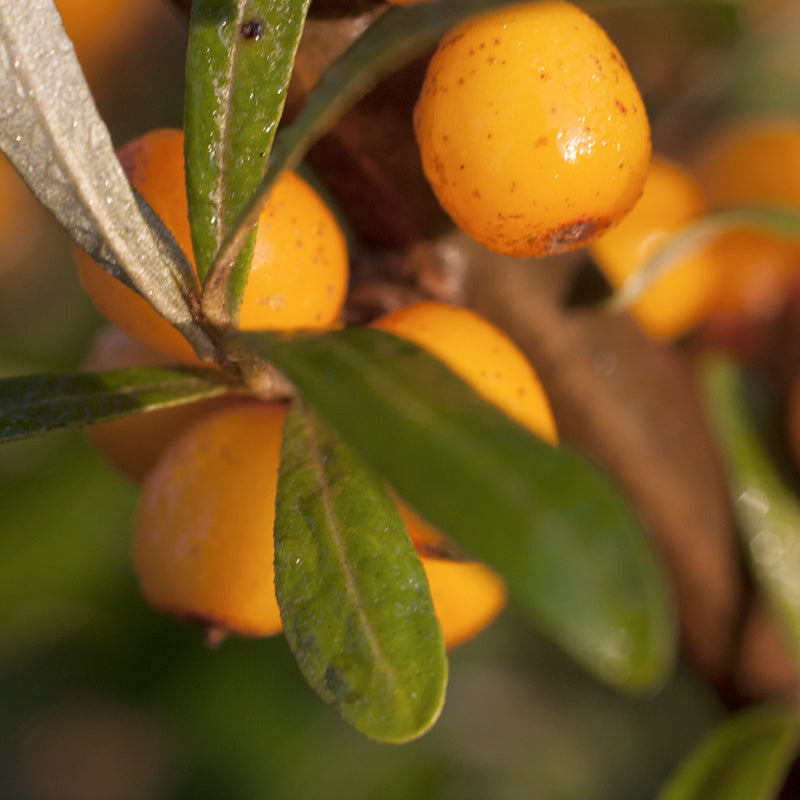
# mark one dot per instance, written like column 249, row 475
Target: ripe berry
column 299, row 272
column 480, row 354
column 203, row 546
column 680, row 298
column 467, row 595
column 753, row 162
column 134, row 444
column 532, row 132
column 204, row 543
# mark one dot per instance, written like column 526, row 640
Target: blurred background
column 101, row 697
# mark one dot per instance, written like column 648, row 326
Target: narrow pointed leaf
column 745, row 758
column 394, row 39
column 354, row 600
column 240, row 58
column 51, row 132
column 767, row 509
column 34, row 404
column 549, row 522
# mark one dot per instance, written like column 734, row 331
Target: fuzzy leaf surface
column 354, row 599
column 745, row 758
column 240, row 58
column 552, row 524
column 767, row 509
column 53, row 135
column 34, row 404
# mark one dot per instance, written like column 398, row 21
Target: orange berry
column 482, row 355
column 467, row 595
column 100, row 29
column 134, row 444
column 154, row 166
column 299, row 272
column 757, row 269
column 203, row 546
column 532, row 132
column 753, row 162
column 680, row 298
column 204, row 543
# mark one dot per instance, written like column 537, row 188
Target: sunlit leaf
column 745, row 758
column 767, row 510
column 354, row 600
column 51, row 132
column 35, row 404
column 240, row 58
column 396, row 37
column 549, row 522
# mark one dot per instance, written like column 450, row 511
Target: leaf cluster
column 367, row 408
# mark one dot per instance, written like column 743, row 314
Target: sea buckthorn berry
column 758, row 269
column 299, row 272
column 203, row 545
column 482, row 355
column 134, row 444
column 99, row 30
column 467, row 595
column 753, row 162
column 683, row 296
column 532, row 131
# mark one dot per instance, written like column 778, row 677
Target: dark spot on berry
column 574, row 234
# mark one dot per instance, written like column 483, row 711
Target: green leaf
column 745, row 758
column 34, row 404
column 778, row 221
column 240, row 58
column 53, row 135
column 767, row 509
column 354, row 600
column 394, row 39
column 553, row 525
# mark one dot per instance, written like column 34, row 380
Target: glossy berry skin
column 531, row 129
column 134, row 444
column 482, row 355
column 467, row 595
column 204, row 546
column 299, row 272
column 679, row 299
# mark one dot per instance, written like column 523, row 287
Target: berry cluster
column 200, row 549
column 535, row 140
